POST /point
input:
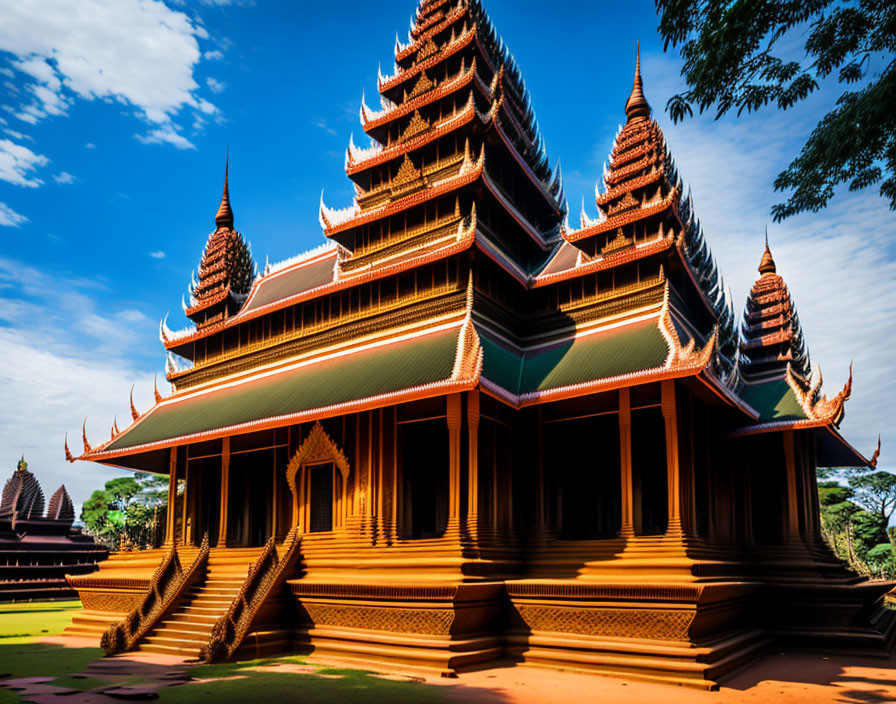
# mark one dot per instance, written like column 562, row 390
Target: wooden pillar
column 371, row 480
column 171, row 518
column 626, row 529
column 690, row 478
column 540, row 497
column 454, row 419
column 793, row 519
column 225, row 491
column 382, row 529
column 673, row 470
column 473, row 416
column 187, row 519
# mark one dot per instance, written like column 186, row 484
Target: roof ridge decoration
column 224, row 216
column 821, row 410
column 469, row 358
column 683, row 357
column 876, row 456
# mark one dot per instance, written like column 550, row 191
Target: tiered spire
column 61, row 507
column 226, row 270
column 644, row 213
column 772, row 337
column 22, row 495
column 456, row 93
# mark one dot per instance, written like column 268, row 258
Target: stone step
column 204, row 627
column 187, row 653
column 168, row 636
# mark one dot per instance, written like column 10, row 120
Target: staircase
column 186, row 630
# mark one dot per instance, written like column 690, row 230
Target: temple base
column 441, row 627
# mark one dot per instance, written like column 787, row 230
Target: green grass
column 25, row 620
column 23, row 655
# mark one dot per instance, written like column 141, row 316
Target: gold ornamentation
column 318, row 447
column 618, row 243
column 628, row 202
column 422, row 86
column 427, row 50
column 407, row 172
column 416, row 126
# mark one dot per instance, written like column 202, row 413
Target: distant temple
column 467, row 430
column 37, row 549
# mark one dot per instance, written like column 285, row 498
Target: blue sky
column 115, row 117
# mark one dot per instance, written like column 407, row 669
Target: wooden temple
column 464, row 430
column 38, row 544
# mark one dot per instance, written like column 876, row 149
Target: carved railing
column 168, row 584
column 267, row 575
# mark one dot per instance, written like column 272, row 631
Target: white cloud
column 165, row 135
column 64, row 178
column 90, row 145
column 19, row 135
column 158, row 254
column 9, row 217
column 214, row 54
column 67, row 358
column 138, row 52
column 17, row 163
column 215, row 86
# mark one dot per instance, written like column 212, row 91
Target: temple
column 465, row 430
column 37, row 548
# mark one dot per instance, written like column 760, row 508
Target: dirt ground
column 786, row 678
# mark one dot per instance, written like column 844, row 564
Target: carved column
column 793, row 518
column 627, row 527
column 540, row 497
column 187, row 532
column 225, row 491
column 473, row 416
column 171, row 518
column 673, row 470
column 454, row 419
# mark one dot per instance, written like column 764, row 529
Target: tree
column 129, row 509
column 876, row 491
column 732, row 55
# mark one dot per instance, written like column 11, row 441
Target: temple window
column 423, row 467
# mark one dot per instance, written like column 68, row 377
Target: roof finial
column 637, row 105
column 224, row 216
column 767, row 265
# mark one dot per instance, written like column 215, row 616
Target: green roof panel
column 359, row 375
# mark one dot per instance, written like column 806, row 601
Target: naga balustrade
column 264, row 577
column 166, row 588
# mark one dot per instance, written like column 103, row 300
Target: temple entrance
column 204, row 489
column 423, row 463
column 649, row 473
column 320, row 496
column 250, row 512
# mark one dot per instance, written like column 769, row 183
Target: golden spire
column 767, row 265
column 224, row 216
column 637, row 105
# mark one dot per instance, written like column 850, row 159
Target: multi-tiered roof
column 225, row 272
column 454, row 268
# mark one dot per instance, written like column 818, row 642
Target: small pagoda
column 465, row 429
column 37, row 548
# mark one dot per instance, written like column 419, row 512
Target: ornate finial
column 134, row 413
column 224, row 216
column 876, row 456
column 767, row 265
column 22, row 465
column 637, row 105
column 87, row 447
column 68, row 453
column 155, row 388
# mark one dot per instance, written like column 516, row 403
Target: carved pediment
column 618, row 243
column 627, row 203
column 427, row 50
column 416, row 126
column 422, row 85
column 317, row 447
